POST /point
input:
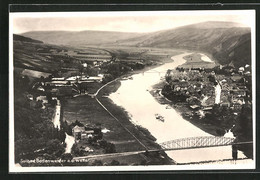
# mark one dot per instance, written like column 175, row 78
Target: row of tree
column 35, row 134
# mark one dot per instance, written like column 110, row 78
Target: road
column 109, row 155
column 95, row 95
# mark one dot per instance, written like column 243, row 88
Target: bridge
column 199, row 142
column 177, row 144
column 155, row 71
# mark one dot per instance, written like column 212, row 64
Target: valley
column 126, row 93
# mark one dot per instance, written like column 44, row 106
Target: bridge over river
column 177, row 144
column 199, row 142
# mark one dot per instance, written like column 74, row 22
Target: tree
column 41, row 79
column 212, row 78
column 245, row 122
column 67, row 128
column 67, row 156
column 107, row 78
column 54, row 148
column 109, row 147
column 97, row 163
column 114, row 163
column 77, row 123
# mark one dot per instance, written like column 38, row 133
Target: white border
column 13, row 168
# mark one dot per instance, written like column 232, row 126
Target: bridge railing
column 197, row 142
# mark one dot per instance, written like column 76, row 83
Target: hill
column 37, row 56
column 25, row 39
column 80, row 38
column 226, row 42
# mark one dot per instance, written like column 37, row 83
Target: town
column 216, row 99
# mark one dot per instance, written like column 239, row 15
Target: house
column 225, row 104
column 241, row 70
column 238, row 100
column 235, row 78
column 208, row 90
column 77, row 132
column 87, row 134
column 62, row 91
column 209, row 108
column 93, row 79
column 183, row 85
column 30, row 96
column 194, row 107
column 40, row 88
column 248, row 73
column 242, row 87
column 210, row 101
column 42, row 98
column 239, row 93
column 225, row 92
column 53, row 50
column 237, row 106
column 81, row 133
column 213, row 73
column 58, row 79
column 54, row 91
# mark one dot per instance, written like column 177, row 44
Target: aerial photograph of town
column 140, row 90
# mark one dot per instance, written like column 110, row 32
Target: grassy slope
column 25, row 39
column 82, row 37
column 225, row 45
column 225, row 41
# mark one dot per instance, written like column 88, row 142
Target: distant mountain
column 25, row 39
column 226, row 42
column 213, row 24
column 195, row 36
column 80, row 38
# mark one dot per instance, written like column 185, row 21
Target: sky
column 138, row 21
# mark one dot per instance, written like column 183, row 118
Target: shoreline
column 140, row 132
column 182, row 108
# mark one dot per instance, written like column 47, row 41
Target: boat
column 159, row 117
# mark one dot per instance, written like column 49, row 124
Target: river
column 133, row 95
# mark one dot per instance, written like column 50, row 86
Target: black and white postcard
column 132, row 91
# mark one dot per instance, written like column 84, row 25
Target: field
column 86, row 110
column 142, row 53
column 195, row 61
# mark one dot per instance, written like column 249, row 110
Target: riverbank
column 184, row 109
column 139, row 132
column 86, row 110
